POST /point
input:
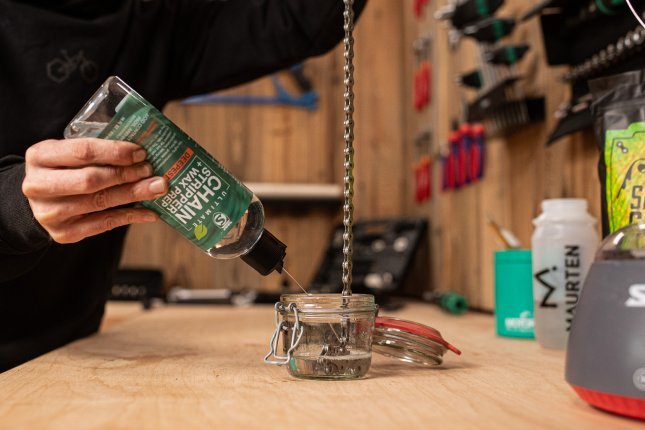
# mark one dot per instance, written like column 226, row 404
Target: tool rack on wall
column 571, row 36
column 518, row 170
column 494, row 89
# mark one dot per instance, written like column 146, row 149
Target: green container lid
column 513, row 256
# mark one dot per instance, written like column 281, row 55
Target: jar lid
column 564, row 210
column 564, row 207
column 409, row 341
column 330, row 303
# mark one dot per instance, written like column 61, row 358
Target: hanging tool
column 592, row 10
column 422, row 168
column 423, row 181
column 499, row 101
column 449, row 301
column 463, row 162
column 507, row 55
column 625, row 47
column 507, row 237
column 419, row 7
column 467, row 12
column 422, row 75
column 454, row 138
column 471, row 79
column 424, row 84
column 477, row 152
column 490, row 30
column 465, row 149
column 308, row 99
column 536, row 10
column 448, row 175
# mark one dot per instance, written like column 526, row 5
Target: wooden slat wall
column 280, row 144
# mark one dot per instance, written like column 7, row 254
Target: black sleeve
column 22, row 240
column 219, row 44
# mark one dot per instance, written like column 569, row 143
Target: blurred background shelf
column 301, row 193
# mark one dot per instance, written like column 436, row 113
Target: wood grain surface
column 201, row 367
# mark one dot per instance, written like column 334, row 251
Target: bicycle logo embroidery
column 61, row 68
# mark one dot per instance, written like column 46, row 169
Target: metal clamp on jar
column 324, row 335
column 330, row 336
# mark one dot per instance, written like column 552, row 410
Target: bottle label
column 204, row 201
column 557, row 286
column 625, row 161
column 523, row 323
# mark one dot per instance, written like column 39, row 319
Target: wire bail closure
column 272, row 357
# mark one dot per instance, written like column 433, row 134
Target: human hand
column 74, row 186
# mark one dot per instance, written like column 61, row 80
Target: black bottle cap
column 267, row 255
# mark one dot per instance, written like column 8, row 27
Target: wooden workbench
column 201, row 367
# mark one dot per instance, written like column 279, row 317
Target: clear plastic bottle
column 205, row 202
column 564, row 244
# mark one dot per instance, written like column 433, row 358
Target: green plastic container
column 514, row 293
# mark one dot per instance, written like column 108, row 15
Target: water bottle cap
column 556, row 210
column 566, row 207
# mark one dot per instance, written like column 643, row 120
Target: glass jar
column 324, row 336
column 330, row 336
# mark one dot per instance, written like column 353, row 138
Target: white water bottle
column 564, row 244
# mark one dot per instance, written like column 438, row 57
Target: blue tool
column 308, row 99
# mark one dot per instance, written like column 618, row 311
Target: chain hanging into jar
column 308, row 321
column 348, row 179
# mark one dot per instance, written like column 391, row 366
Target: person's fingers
column 100, row 222
column 73, row 186
column 53, row 212
column 45, row 183
column 84, row 151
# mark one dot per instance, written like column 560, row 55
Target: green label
column 204, row 200
column 521, row 323
column 625, row 161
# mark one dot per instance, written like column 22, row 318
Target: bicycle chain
column 348, row 179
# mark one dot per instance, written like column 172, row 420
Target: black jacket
column 53, row 56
